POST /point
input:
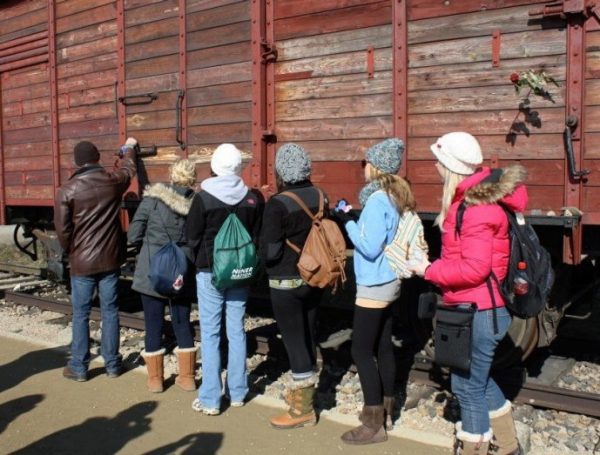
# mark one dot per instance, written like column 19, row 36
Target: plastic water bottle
column 520, row 284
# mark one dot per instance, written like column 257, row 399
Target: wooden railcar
column 335, row 76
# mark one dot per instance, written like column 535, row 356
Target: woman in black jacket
column 159, row 219
column 294, row 302
column 222, row 194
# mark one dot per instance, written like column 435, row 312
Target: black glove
column 344, row 217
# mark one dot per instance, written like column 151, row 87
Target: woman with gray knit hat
column 384, row 198
column 294, row 302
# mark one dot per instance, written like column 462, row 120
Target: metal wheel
column 28, row 245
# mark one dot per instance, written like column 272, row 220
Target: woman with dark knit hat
column 384, row 199
column 294, row 302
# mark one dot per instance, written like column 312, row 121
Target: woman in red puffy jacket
column 462, row 272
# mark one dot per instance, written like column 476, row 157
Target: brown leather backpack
column 323, row 257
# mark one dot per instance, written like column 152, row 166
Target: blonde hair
column 183, row 173
column 397, row 188
column 451, row 181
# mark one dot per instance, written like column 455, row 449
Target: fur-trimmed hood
column 497, row 185
column 177, row 198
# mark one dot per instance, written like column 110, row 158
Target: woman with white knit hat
column 475, row 247
column 223, row 193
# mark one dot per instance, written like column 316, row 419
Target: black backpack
column 524, row 247
column 168, row 268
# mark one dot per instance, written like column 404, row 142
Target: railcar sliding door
column 459, row 80
column 333, row 85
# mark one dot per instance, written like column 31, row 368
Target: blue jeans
column 82, row 294
column 212, row 303
column 154, row 320
column 477, row 392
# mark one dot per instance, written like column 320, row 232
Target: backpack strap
column 314, row 217
column 460, row 213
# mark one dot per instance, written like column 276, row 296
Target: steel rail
column 522, row 391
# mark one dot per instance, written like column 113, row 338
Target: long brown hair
column 397, row 188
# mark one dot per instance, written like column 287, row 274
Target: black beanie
column 86, row 152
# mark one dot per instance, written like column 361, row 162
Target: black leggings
column 373, row 352
column 154, row 319
column 296, row 313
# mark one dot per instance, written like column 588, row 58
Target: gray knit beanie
column 387, row 155
column 292, row 163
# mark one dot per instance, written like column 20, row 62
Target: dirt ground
column 43, row 413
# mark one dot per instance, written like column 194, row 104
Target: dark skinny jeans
column 154, row 320
column 373, row 353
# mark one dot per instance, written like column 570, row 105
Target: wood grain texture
column 334, row 43
column 217, row 94
column 328, row 129
column 335, row 86
column 219, row 36
column 216, row 75
column 86, row 18
column 339, row 107
column 419, row 9
column 149, row 12
column 88, row 65
column 515, row 45
column 221, row 55
column 220, row 114
column 354, row 17
column 549, row 120
column 216, row 17
column 478, row 23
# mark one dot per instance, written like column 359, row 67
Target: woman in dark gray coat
column 160, row 218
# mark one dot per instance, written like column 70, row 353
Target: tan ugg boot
column 471, row 444
column 504, row 441
column 186, row 358
column 372, row 429
column 301, row 402
column 155, row 366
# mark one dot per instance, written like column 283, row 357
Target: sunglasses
column 364, row 163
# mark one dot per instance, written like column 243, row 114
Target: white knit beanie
column 226, row 160
column 459, row 152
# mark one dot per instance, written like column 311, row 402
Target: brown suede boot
column 186, row 358
column 471, row 444
column 155, row 366
column 504, row 440
column 371, row 431
column 301, row 411
column 388, row 409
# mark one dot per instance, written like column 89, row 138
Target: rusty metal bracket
column 568, row 7
column 124, row 100
column 496, row 48
column 178, row 111
column 269, row 52
column 269, row 136
column 370, row 62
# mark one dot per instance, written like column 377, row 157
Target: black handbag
column 453, row 334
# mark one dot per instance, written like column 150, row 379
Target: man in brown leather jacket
column 86, row 218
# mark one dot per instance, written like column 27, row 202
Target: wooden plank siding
column 453, row 86
column 324, row 99
column 86, row 40
column 219, row 76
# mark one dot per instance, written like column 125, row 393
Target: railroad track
column 514, row 382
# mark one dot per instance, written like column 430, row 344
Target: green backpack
column 235, row 263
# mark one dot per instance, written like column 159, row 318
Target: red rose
column 514, row 78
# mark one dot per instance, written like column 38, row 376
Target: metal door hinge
column 269, row 52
